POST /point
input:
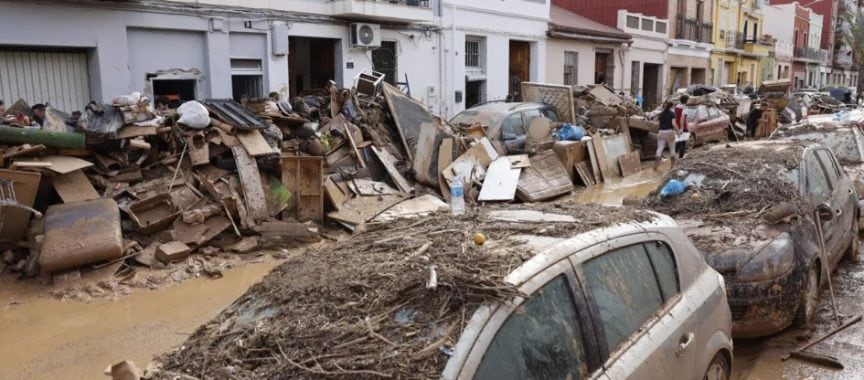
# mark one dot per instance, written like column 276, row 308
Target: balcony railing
column 693, row 29
column 737, row 40
column 810, row 53
column 384, row 10
column 843, row 59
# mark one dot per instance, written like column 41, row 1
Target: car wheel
column 854, row 244
column 719, row 369
column 691, row 141
column 810, row 299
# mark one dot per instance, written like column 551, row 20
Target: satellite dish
column 366, row 35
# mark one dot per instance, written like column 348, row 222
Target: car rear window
column 841, row 141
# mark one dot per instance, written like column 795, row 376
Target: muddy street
column 45, row 337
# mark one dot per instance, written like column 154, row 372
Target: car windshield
column 473, row 116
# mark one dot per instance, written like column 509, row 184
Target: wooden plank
column 130, row 131
column 445, row 158
column 585, row 174
column 630, row 164
column 361, row 209
column 24, row 150
column 74, row 187
column 342, row 124
column 64, row 164
column 250, row 181
column 334, row 193
column 254, row 143
column 389, row 163
column 304, row 178
column 228, row 139
column 412, row 208
column 408, row 115
column 598, row 159
column 501, row 181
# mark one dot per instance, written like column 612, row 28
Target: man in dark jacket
column 753, row 119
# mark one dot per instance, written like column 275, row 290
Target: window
column 713, row 113
column 571, row 68
column 633, row 22
column 647, row 24
column 530, row 115
column 665, row 268
column 512, row 125
column 247, row 78
column 473, row 52
column 384, row 60
column 830, row 168
column 551, row 115
column 626, row 292
column 702, row 113
column 660, row 27
column 541, row 340
column 817, row 184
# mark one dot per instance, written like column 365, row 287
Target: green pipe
column 53, row 139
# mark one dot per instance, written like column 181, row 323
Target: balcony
column 819, row 55
column 406, row 11
column 693, row 29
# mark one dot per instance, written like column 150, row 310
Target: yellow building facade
column 740, row 49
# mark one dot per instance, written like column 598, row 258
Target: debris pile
column 396, row 298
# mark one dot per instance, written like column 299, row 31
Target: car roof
column 502, row 107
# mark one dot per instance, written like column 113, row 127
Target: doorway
column 604, row 67
column 474, row 92
column 520, row 66
column 176, row 90
column 384, row 61
column 698, row 76
column 651, row 85
column 312, row 62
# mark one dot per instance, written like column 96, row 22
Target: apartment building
column 800, row 27
column 741, row 48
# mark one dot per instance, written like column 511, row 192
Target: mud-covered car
column 506, row 123
column 576, row 292
column 841, row 134
column 751, row 209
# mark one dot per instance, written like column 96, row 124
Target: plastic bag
column 194, row 115
column 673, row 187
column 128, row 100
column 568, row 132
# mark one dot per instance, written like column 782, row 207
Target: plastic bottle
column 457, row 196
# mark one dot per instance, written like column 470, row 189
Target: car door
column 545, row 336
column 643, row 329
column 843, row 202
column 716, row 123
column 819, row 191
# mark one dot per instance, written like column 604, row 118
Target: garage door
column 58, row 78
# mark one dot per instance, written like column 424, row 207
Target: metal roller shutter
column 58, row 78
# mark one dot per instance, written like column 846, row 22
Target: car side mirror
column 825, row 212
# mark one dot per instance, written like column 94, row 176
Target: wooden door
column 520, row 64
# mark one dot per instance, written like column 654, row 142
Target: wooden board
column 342, row 124
column 64, row 164
column 598, row 158
column 24, row 150
column 630, row 164
column 250, row 181
column 16, row 220
column 584, row 173
column 74, row 187
column 389, row 163
column 361, row 209
column 130, row 131
column 334, row 193
column 445, row 158
column 545, row 179
column 304, row 178
column 571, row 152
column 254, row 143
column 412, row 208
column 501, row 181
column 228, row 139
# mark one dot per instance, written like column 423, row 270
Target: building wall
column 497, row 24
column 556, row 48
column 125, row 41
column 606, row 11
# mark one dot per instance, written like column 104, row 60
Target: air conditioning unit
column 365, row 35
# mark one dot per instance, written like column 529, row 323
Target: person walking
column 681, row 119
column 666, row 134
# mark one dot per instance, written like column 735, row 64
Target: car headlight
column 775, row 259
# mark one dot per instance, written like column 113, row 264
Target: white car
column 632, row 301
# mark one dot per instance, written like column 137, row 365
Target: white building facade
column 646, row 65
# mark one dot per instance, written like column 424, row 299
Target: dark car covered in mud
column 752, row 210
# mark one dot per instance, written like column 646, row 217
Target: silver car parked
column 632, row 301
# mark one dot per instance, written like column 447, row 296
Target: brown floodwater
column 613, row 191
column 44, row 338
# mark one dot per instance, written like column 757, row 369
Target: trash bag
column 701, row 89
column 673, row 187
column 194, row 115
column 569, row 132
column 128, row 100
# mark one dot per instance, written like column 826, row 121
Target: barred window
column 472, row 52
